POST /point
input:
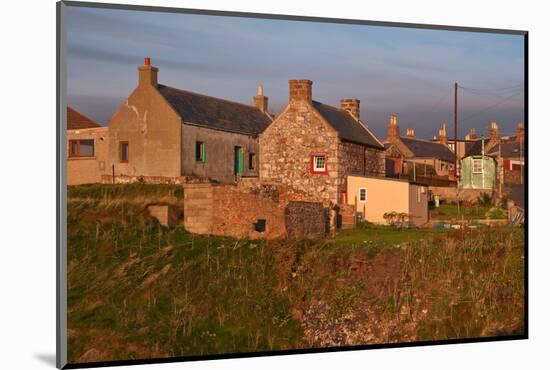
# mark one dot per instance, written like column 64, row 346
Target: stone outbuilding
column 313, row 146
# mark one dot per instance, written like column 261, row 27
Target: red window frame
column 312, row 163
column 77, row 154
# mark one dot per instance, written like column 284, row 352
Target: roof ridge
column 212, row 97
column 424, row 140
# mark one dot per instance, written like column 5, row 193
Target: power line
column 493, row 89
column 490, row 107
column 481, row 93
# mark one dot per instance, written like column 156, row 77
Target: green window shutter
column 203, row 147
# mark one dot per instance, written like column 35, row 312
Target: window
column 476, row 165
column 363, row 195
column 251, row 161
column 124, row 151
column 200, row 151
column 318, row 163
column 81, row 148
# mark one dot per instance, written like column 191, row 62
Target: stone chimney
column 493, row 132
column 300, row 91
column 393, row 128
column 520, row 132
column 351, row 106
column 471, row 135
column 147, row 73
column 410, row 132
column 442, row 135
column 260, row 101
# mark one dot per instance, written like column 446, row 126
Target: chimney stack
column 300, row 91
column 442, row 137
column 520, row 132
column 260, row 101
column 493, row 131
column 471, row 135
column 410, row 132
column 351, row 106
column 147, row 73
column 393, row 128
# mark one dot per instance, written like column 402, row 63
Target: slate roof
column 348, row 128
column 475, row 147
column 215, row 113
column 509, row 150
column 428, row 149
column 77, row 121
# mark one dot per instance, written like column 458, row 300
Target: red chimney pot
column 147, row 61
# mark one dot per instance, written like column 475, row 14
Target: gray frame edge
column 227, row 13
column 61, row 189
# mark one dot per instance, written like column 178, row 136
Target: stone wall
column 305, row 220
column 220, row 153
column 238, row 210
column 198, row 207
column 286, row 148
column 355, row 159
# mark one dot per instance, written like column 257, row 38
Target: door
column 239, row 161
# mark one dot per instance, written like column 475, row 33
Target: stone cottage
column 313, row 146
column 408, row 155
column 165, row 132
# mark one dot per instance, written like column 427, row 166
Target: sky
column 392, row 70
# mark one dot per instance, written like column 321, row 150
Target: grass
column 139, row 290
column 451, row 211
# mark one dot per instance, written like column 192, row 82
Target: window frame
column 120, row 145
column 72, row 154
column 202, row 146
column 251, row 161
column 474, row 161
column 313, row 169
column 359, row 195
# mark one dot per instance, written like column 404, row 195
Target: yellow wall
column 388, row 195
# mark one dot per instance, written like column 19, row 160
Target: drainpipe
column 482, row 164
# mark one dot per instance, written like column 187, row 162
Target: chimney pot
column 147, row 61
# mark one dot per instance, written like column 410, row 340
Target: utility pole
column 457, row 174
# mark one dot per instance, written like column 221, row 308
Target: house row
column 163, row 132
column 166, row 134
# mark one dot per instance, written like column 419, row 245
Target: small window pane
column 251, row 161
column 200, row 151
column 74, row 148
column 86, row 148
column 476, row 166
column 124, row 152
column 362, row 195
column 319, row 164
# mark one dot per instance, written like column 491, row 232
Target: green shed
column 478, row 172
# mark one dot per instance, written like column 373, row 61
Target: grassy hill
column 139, row 290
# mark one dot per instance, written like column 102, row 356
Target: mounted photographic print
column 235, row 185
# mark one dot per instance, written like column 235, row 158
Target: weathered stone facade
column 301, row 132
column 240, row 210
column 286, row 148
